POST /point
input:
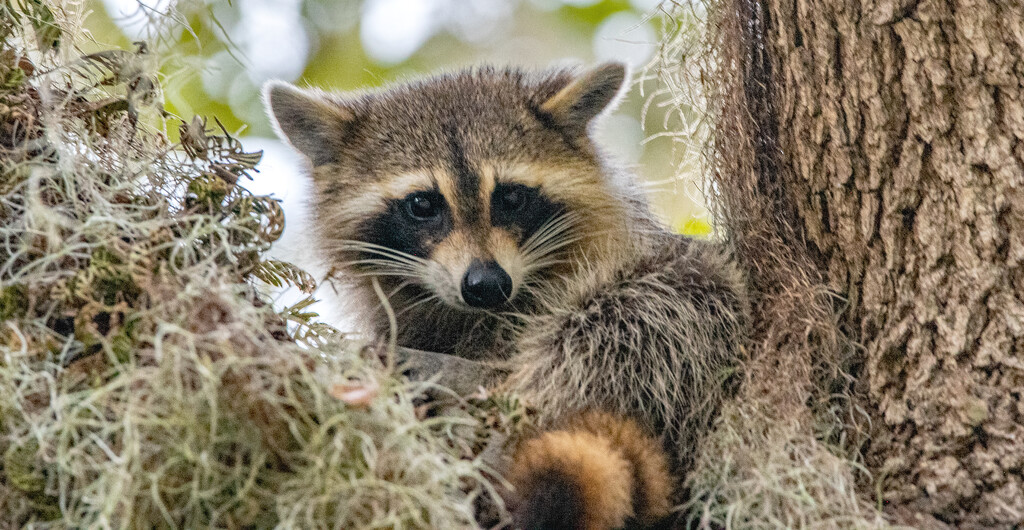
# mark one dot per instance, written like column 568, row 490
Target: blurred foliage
column 231, row 48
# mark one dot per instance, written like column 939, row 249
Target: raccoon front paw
column 462, row 376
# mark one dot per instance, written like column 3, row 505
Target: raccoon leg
column 463, row 376
column 600, row 471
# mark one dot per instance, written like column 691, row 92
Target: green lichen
column 21, row 468
column 13, row 301
column 12, row 78
column 208, row 192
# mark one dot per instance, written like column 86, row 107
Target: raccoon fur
column 514, row 253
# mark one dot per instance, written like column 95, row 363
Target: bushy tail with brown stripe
column 599, row 472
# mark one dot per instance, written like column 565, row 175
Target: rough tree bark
column 882, row 139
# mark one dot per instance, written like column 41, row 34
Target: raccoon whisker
column 551, row 247
column 421, row 301
column 554, row 225
column 558, row 236
column 375, row 265
column 500, row 316
column 551, row 229
column 440, row 310
column 386, row 265
column 392, row 258
column 383, row 263
column 554, row 242
column 375, row 274
column 388, row 273
column 370, row 265
column 393, row 292
column 373, row 248
column 541, row 260
column 358, row 244
column 543, row 255
column 401, row 285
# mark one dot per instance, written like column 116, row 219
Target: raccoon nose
column 486, row 285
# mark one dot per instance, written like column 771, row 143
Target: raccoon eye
column 513, row 198
column 423, row 206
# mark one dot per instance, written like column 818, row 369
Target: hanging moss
column 145, row 380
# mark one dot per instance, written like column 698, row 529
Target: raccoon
column 475, row 210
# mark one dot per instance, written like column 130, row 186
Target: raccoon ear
column 311, row 121
column 584, row 97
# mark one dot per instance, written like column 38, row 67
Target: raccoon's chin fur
column 442, row 327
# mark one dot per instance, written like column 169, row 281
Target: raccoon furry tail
column 600, row 471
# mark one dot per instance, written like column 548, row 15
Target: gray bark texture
column 875, row 150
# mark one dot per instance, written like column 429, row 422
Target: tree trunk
column 874, row 149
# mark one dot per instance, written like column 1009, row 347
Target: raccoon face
column 468, row 188
column 478, row 243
